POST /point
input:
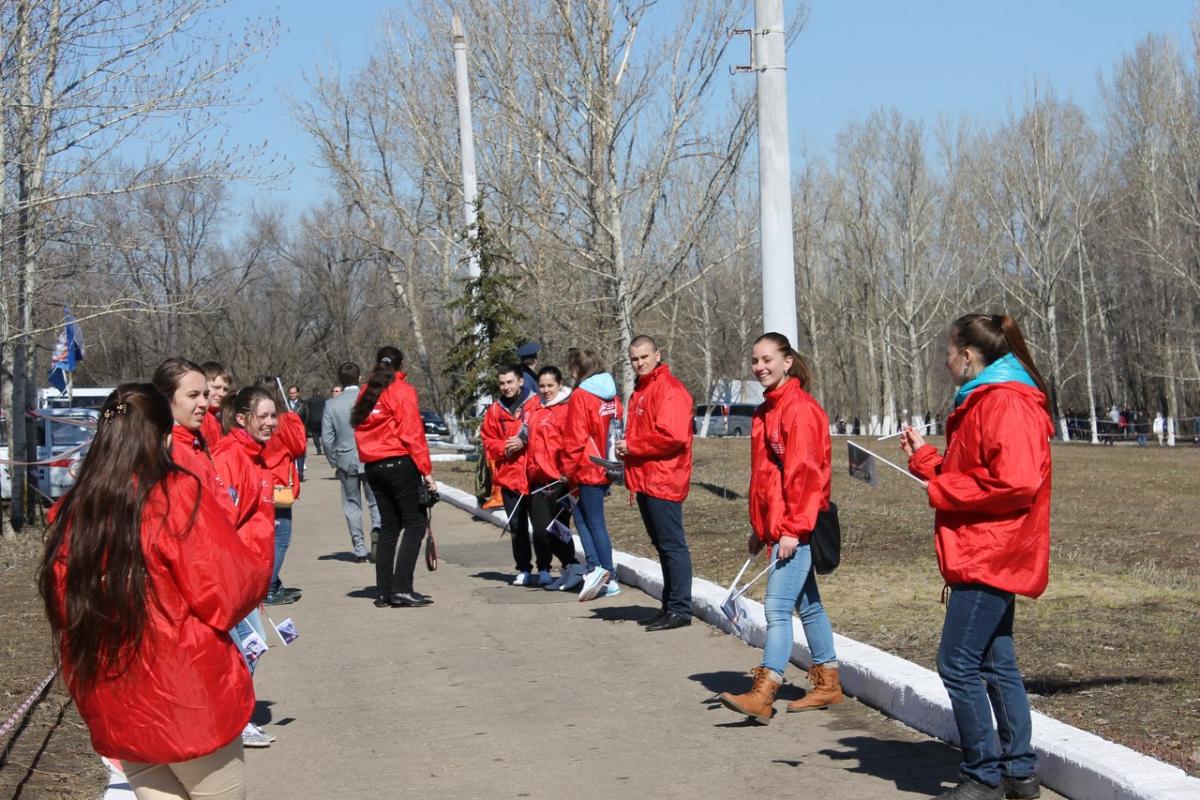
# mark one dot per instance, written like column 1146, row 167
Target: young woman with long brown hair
column 790, row 476
column 142, row 577
column 391, row 442
column 990, row 492
column 591, row 409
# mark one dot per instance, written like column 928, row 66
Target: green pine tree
column 488, row 331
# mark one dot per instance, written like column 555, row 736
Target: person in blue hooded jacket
column 592, row 408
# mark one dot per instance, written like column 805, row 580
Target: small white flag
column 556, row 528
column 253, row 647
column 286, row 630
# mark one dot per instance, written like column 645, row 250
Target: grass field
column 1112, row 644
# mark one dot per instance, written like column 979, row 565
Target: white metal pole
column 774, row 171
column 466, row 138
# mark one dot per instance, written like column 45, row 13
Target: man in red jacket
column 505, row 434
column 657, row 451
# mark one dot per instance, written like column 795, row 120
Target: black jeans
column 516, row 505
column 395, row 482
column 664, row 523
column 544, row 508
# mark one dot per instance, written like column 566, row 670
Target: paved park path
column 497, row 692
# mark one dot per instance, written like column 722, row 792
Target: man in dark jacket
column 316, row 411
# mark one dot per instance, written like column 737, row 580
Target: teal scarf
column 1006, row 369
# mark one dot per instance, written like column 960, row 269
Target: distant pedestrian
column 341, row 451
column 141, row 625
column 657, row 451
column 591, row 410
column 391, row 444
column 315, row 413
column 505, row 435
column 527, row 354
column 790, row 477
column 990, row 492
column 298, row 407
column 220, row 385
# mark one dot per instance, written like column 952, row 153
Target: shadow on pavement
column 497, row 577
column 911, row 766
column 341, row 556
column 367, row 592
column 620, row 613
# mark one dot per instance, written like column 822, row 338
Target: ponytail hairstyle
column 552, row 371
column 98, row 613
column 388, row 361
column 583, row 364
column 244, row 402
column 798, row 370
column 994, row 336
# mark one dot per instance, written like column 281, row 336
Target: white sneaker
column 613, row 588
column 253, row 736
column 593, row 584
column 522, row 579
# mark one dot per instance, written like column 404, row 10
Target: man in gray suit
column 337, row 438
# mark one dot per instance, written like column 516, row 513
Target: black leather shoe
column 360, row 559
column 971, row 789
column 1022, row 788
column 382, row 602
column 409, row 600
column 421, row 595
column 657, row 616
column 670, row 622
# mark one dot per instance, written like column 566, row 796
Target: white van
column 81, row 397
column 61, row 431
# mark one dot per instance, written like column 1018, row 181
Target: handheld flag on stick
column 286, row 630
column 729, row 606
column 559, row 530
column 864, row 465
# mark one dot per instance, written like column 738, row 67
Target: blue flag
column 68, row 351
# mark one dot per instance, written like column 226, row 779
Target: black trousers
column 516, row 505
column 544, row 508
column 395, row 482
column 664, row 523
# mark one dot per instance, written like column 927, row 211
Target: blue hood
column 1006, row 369
column 601, row 384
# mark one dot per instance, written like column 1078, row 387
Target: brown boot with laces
column 826, row 689
column 759, row 701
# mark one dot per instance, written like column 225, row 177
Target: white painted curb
column 1071, row 761
column 448, row 457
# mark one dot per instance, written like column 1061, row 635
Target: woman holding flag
column 790, row 474
column 548, row 498
column 990, row 492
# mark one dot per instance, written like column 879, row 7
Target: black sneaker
column 971, row 789
column 279, row 599
column 291, row 591
column 1022, row 788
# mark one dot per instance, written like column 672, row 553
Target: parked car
column 435, row 424
column 66, row 432
column 727, row 419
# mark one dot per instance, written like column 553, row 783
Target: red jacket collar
column 1029, row 392
column 782, row 393
column 185, row 436
column 650, row 377
column 253, row 448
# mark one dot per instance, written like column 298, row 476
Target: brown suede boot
column 758, row 702
column 826, row 690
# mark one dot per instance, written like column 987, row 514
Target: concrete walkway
column 497, row 691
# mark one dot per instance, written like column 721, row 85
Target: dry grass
column 1110, row 647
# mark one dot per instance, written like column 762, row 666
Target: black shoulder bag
column 825, row 540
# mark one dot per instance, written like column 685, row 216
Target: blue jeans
column 978, row 666
column 793, row 585
column 593, row 530
column 664, row 523
column 252, row 622
column 283, row 538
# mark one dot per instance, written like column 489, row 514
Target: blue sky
column 928, row 58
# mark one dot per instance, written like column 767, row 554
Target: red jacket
column 791, row 463
column 585, row 434
column 991, row 490
column 543, row 464
column 188, row 451
column 394, row 427
column 239, row 465
column 659, row 437
column 498, row 426
column 210, row 428
column 289, row 442
column 187, row 691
